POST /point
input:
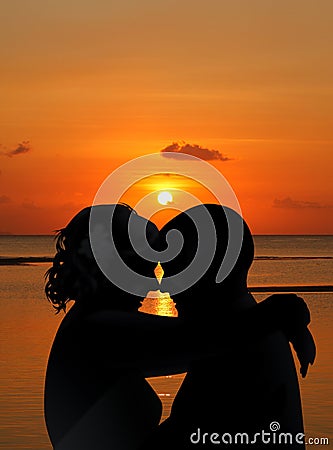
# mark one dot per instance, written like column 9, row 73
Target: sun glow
column 164, row 197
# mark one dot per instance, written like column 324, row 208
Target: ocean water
column 28, row 325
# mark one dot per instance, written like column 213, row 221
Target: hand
column 290, row 311
column 293, row 315
column 305, row 349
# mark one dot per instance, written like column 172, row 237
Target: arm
column 156, row 345
column 278, row 312
column 290, row 314
column 164, row 345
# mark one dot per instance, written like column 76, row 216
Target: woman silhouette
column 94, row 399
column 96, row 396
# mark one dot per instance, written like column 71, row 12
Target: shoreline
column 24, row 260
column 318, row 288
column 30, row 260
column 20, row 260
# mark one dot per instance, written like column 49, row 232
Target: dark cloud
column 179, row 149
column 4, row 199
column 22, row 147
column 296, row 204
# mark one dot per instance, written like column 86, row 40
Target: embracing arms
column 287, row 313
column 164, row 345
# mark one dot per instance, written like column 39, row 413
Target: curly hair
column 74, row 276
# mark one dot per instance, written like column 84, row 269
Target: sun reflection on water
column 159, row 272
column 159, row 303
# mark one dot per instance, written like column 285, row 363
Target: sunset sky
column 87, row 86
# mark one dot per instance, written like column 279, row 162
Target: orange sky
column 93, row 84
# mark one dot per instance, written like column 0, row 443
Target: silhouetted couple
column 240, row 376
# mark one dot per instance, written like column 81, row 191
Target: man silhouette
column 251, row 384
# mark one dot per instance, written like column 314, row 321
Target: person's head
column 75, row 274
column 206, row 291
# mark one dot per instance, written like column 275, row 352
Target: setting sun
column 164, row 197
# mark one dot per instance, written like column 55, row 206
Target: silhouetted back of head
column 184, row 224
column 75, row 274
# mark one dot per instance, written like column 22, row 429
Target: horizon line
column 253, row 234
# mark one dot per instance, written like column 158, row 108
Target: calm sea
column 28, row 325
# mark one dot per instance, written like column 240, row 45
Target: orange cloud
column 29, row 204
column 296, row 204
